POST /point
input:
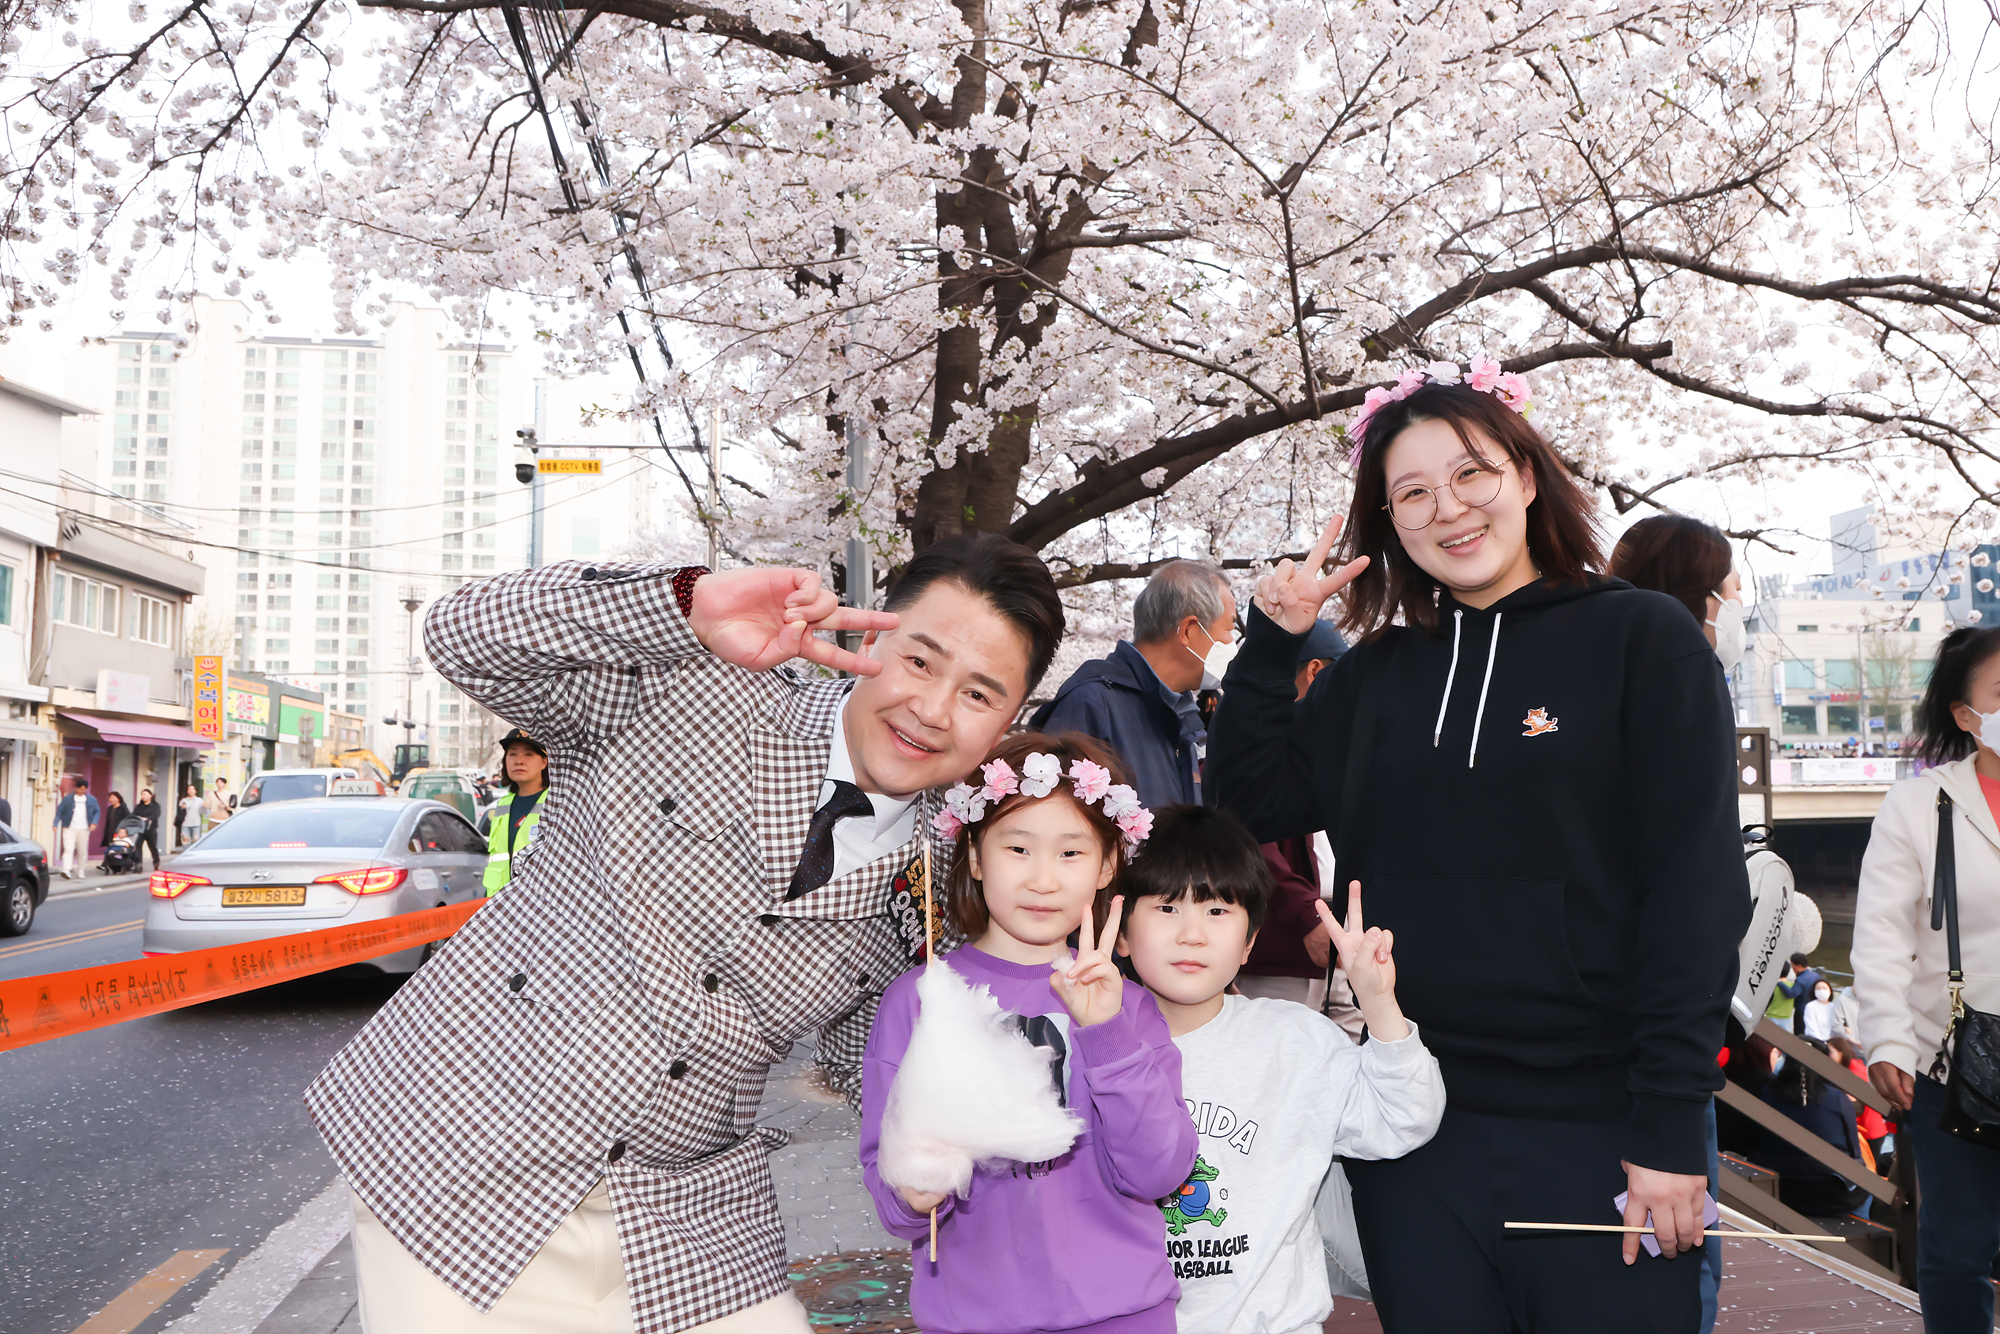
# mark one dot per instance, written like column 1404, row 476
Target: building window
column 1841, row 675
column 1801, row 720
column 1808, row 630
column 6, row 594
column 83, row 602
column 1842, row 720
column 1799, row 676
column 153, row 621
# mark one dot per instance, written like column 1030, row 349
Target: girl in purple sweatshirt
column 1077, row 1243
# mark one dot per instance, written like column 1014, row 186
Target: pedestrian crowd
column 1282, row 954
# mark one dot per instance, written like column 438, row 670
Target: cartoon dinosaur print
column 1538, row 722
column 1189, row 1204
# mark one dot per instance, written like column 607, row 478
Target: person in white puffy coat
column 1900, row 964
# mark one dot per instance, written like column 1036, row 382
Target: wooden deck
column 1765, row 1290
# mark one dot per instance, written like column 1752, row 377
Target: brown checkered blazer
column 613, row 1013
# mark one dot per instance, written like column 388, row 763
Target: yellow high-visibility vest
column 500, row 862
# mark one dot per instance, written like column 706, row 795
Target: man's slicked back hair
column 1006, row 574
column 1177, row 590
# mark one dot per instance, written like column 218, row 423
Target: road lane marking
column 129, row 1309
column 74, row 938
column 259, row 1283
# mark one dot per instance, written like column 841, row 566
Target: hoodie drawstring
column 1479, row 716
column 1492, row 650
column 1457, row 624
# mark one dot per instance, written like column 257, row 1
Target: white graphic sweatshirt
column 1276, row 1092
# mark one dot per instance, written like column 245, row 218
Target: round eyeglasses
column 1473, row 483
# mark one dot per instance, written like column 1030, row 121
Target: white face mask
column 1729, row 633
column 1822, row 994
column 1216, row 661
column 1989, row 728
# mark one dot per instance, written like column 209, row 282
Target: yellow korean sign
column 591, row 466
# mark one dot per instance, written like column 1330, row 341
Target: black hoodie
column 1549, row 826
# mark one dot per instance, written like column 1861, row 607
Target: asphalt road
column 184, row 1131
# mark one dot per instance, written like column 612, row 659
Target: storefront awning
column 120, row 731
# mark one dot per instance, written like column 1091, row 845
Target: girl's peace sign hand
column 1292, row 594
column 1367, row 956
column 1090, row 986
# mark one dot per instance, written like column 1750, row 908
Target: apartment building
column 339, row 486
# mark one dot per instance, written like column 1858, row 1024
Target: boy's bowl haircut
column 1205, row 852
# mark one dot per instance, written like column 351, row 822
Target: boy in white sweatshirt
column 1276, row 1090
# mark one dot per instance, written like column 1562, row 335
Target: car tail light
column 173, row 884
column 373, row 880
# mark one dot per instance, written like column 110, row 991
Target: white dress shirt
column 858, row 841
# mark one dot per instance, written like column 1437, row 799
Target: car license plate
column 264, row 896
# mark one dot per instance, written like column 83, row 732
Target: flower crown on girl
column 1485, row 375
column 1040, row 773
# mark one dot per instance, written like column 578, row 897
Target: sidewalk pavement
column 834, row 1241
column 92, row 878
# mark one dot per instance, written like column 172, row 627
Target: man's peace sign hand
column 1090, row 986
column 759, row 618
column 1367, row 956
column 1292, row 594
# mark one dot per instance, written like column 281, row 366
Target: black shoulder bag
column 1971, row 1056
column 1359, row 742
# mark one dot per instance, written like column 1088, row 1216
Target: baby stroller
column 122, row 853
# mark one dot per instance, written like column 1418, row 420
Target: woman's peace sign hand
column 1367, row 956
column 1090, row 986
column 1292, row 594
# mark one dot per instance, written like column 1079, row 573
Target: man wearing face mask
column 1140, row 699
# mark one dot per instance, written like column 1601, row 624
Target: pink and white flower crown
column 1040, row 773
column 1485, row 375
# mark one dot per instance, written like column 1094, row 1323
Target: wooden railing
column 1897, row 1196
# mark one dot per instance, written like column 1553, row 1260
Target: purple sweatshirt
column 1074, row 1244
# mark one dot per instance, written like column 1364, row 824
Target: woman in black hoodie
column 1530, row 769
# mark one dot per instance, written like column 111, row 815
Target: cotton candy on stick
column 971, row 1090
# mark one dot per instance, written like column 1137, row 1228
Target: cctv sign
column 591, row 466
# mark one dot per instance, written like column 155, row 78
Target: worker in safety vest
column 526, row 763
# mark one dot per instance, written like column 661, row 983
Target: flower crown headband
column 1091, row 783
column 1485, row 375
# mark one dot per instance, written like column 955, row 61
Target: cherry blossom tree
column 1107, row 276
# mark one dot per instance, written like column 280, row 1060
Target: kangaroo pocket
column 1484, row 966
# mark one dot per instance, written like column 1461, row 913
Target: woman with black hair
column 1900, row 963
column 1529, row 768
column 1805, row 1183
column 1692, row 563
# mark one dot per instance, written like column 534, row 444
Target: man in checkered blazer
column 551, row 1126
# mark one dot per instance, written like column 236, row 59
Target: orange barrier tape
column 54, row 1005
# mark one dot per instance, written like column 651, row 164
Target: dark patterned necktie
column 816, row 862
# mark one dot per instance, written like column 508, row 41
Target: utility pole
column 537, row 487
column 714, row 486
column 412, row 598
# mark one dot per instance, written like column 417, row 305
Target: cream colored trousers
column 574, row 1285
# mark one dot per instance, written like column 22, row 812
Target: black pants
column 151, row 839
column 1439, row 1261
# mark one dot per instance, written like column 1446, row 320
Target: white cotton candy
column 971, row 1089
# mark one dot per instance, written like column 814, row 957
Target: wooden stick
column 930, row 957
column 1615, row 1227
